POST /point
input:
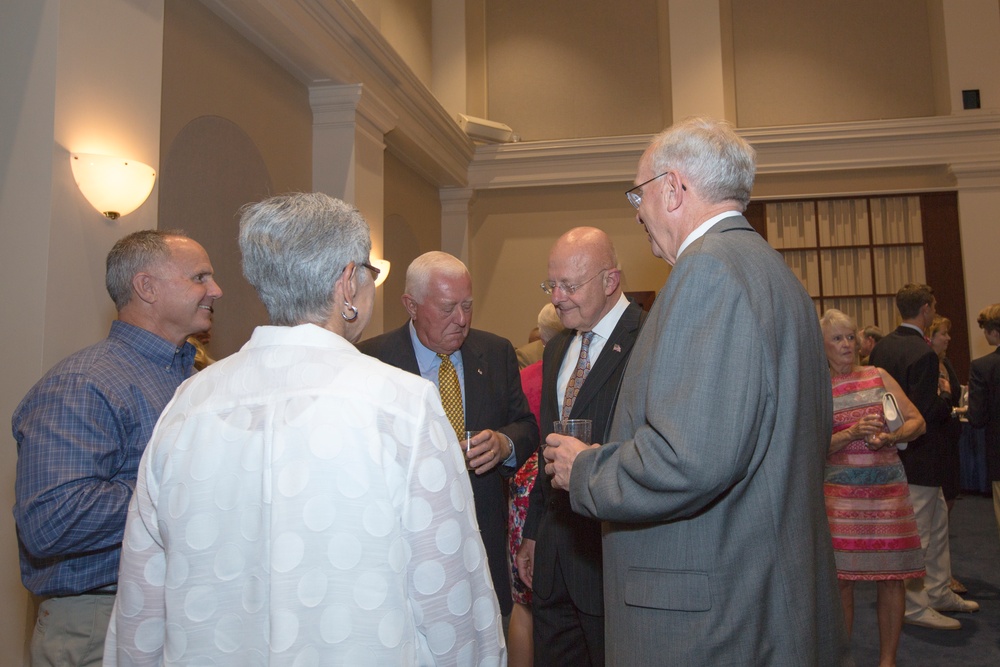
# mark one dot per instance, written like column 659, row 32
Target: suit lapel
column 617, row 347
column 401, row 354
column 475, row 371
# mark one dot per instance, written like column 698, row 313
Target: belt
column 110, row 589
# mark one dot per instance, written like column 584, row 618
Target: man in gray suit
column 716, row 546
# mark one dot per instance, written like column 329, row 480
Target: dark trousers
column 563, row 634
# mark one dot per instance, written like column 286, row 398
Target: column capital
column 980, row 175
column 456, row 200
column 346, row 104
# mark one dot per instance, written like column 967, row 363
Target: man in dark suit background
column 867, row 339
column 905, row 354
column 984, row 398
column 438, row 297
column 560, row 556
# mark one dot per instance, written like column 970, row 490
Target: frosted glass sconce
column 115, row 186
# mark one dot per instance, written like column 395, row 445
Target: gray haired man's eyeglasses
column 635, row 194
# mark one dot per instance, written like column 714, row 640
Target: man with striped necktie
column 560, row 556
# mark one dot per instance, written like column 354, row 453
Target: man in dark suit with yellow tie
column 560, row 555
column 439, row 344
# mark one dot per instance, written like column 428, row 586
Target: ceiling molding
column 910, row 142
column 331, row 42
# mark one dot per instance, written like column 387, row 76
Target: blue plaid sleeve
column 72, row 448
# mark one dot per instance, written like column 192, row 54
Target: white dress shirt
column 703, row 228
column 602, row 331
column 300, row 503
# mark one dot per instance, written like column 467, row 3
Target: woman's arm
column 867, row 427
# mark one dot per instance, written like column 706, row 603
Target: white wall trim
column 972, row 140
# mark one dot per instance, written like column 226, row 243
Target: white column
column 696, row 59
column 455, row 204
column 349, row 128
column 979, row 228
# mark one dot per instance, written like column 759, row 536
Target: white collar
column 703, row 228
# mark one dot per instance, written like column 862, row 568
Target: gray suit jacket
column 717, row 549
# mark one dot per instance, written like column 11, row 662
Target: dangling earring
column 353, row 317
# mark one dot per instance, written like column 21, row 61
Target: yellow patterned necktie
column 451, row 395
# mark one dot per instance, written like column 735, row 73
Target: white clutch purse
column 893, row 419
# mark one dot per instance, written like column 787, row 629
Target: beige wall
column 560, row 69
column 512, row 232
column 571, row 69
column 406, row 24
column 807, row 62
column 411, row 227
column 210, row 70
column 235, row 128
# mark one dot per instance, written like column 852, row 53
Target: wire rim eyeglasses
column 635, row 194
column 550, row 286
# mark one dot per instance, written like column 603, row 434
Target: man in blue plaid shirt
column 81, row 431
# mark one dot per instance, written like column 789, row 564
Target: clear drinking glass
column 577, row 428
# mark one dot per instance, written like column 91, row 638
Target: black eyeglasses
column 635, row 195
column 375, row 271
column 550, row 286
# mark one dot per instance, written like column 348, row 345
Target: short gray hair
column 719, row 164
column 294, row 248
column 418, row 274
column 833, row 317
column 132, row 254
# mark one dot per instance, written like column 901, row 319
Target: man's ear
column 673, row 190
column 144, row 287
column 411, row 305
column 612, row 281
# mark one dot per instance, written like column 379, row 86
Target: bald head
column 583, row 270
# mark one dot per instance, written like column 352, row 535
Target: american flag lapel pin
column 617, row 347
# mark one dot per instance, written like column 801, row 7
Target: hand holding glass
column 467, row 445
column 576, row 428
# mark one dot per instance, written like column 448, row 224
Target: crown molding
column 972, row 140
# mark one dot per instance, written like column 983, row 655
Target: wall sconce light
column 383, row 266
column 115, row 186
